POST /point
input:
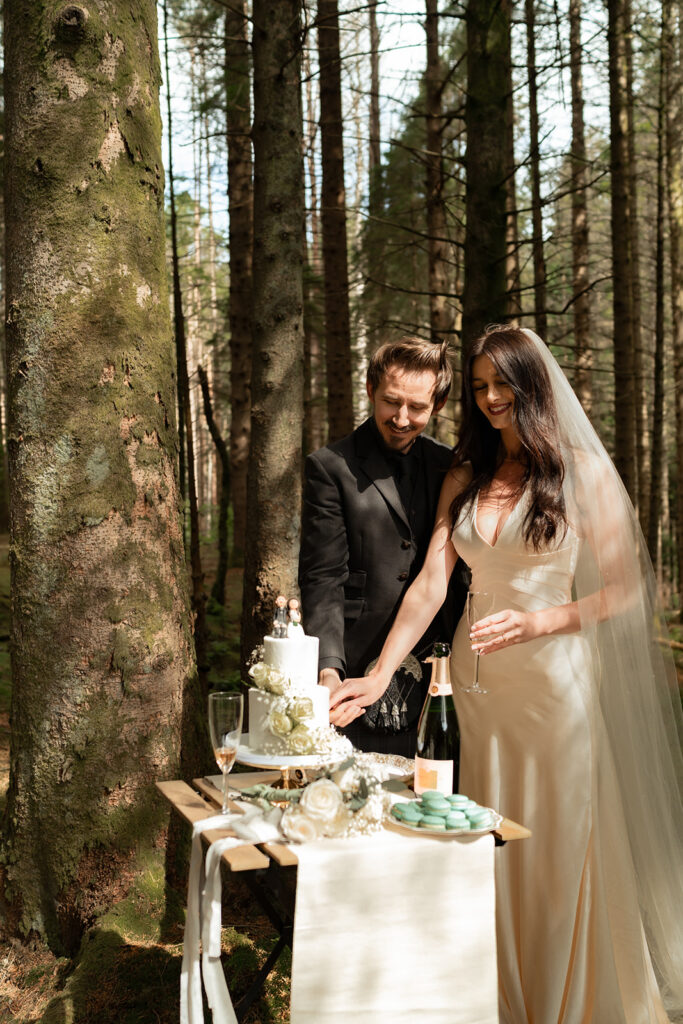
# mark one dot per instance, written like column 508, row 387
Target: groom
column 369, row 507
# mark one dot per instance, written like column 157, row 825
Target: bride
column 577, row 735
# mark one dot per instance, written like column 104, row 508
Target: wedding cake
column 288, row 711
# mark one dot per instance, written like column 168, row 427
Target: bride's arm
column 420, row 604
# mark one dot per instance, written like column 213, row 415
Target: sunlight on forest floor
column 128, row 967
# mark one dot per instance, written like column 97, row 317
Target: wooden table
column 269, row 869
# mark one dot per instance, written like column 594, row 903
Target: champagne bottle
column 437, row 761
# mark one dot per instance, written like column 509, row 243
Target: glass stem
column 225, row 792
column 476, row 670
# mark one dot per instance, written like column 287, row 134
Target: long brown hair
column 516, row 359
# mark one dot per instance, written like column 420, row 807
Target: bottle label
column 433, row 775
column 441, row 687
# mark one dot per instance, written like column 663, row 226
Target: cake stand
column 284, row 763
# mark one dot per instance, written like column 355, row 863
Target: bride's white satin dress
column 571, row 948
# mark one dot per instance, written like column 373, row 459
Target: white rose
column 340, row 823
column 301, row 708
column 279, row 723
column 259, row 673
column 298, row 826
column 275, row 682
column 300, row 740
column 322, row 800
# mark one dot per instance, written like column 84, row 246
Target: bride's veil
column 637, row 724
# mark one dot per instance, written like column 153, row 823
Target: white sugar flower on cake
column 302, row 709
column 300, row 740
column 279, row 722
column 268, row 678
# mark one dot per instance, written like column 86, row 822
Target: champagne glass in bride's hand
column 225, row 729
column 479, row 605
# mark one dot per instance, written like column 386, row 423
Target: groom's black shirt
column 367, row 519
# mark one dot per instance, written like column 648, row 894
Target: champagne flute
column 225, row 729
column 479, row 605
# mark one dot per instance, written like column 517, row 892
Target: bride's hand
column 350, row 700
column 508, row 627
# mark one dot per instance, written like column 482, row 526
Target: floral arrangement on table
column 291, row 716
column 351, row 799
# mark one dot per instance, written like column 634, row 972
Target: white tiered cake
column 290, row 672
column 288, row 711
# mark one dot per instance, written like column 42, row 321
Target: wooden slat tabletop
column 281, row 853
column 193, row 806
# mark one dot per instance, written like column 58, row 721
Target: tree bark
column 622, row 269
column 580, row 231
column 440, row 314
column 187, row 418
column 335, row 260
column 674, row 180
column 241, row 238
column 315, row 429
column 218, row 589
column 102, row 646
column 512, row 271
column 640, row 422
column 654, row 514
column 485, row 298
column 274, row 490
column 375, row 156
column 541, row 317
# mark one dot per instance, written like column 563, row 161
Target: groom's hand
column 351, row 699
column 330, row 678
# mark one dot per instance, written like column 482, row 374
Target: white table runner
column 388, row 929
column 394, row 929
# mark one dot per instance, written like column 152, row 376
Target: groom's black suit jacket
column 359, row 553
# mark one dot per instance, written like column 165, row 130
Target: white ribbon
column 203, row 917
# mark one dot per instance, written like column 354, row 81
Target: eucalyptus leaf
column 394, row 785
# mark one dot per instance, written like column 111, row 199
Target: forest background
column 187, row 315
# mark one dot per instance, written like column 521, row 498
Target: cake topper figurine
column 294, row 628
column 280, row 617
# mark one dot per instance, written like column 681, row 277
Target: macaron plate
column 434, row 814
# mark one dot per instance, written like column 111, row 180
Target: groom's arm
column 323, row 565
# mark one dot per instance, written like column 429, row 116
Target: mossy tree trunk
column 274, row 480
column 487, row 124
column 102, row 649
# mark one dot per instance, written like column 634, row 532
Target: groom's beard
column 400, row 440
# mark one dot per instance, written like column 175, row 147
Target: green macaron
column 458, row 800
column 441, row 807
column 432, row 821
